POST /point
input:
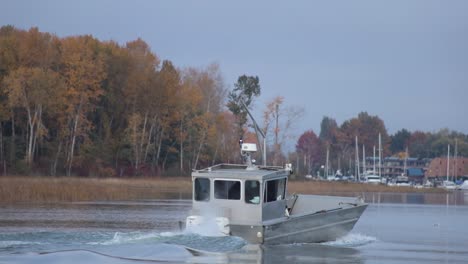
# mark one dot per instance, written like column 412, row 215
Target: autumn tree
column 109, row 142
column 328, row 130
column 30, row 82
column 310, row 149
column 166, row 100
column 367, row 128
column 31, row 88
column 140, row 88
column 333, row 139
column 399, row 141
column 83, row 70
column 9, row 43
column 210, row 85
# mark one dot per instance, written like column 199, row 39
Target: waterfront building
column 458, row 168
column 393, row 167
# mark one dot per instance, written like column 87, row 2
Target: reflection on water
column 395, row 228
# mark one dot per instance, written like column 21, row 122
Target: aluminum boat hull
column 305, row 228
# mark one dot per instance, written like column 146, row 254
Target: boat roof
column 237, row 171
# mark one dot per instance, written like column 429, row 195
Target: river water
column 395, row 228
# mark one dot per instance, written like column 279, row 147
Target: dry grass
column 48, row 189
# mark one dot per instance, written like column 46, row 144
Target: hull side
column 313, row 228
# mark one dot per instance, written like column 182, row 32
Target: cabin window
column 228, row 190
column 252, row 192
column 274, row 190
column 202, row 189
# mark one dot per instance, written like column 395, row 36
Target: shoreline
column 16, row 189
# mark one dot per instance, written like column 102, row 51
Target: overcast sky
column 405, row 61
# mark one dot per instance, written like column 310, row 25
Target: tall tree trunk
column 57, row 155
column 150, row 133
column 38, row 121
column 72, row 145
column 142, row 140
column 136, row 150
column 159, row 143
column 215, row 153
column 13, row 139
column 181, row 150
column 29, row 136
column 202, row 140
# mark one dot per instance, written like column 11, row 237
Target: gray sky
column 405, row 61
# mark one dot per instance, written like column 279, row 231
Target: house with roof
column 457, row 169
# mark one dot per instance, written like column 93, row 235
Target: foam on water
column 351, row 240
column 185, row 239
column 4, row 244
column 127, row 238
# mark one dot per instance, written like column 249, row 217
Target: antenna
column 257, row 131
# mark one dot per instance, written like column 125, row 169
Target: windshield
column 252, row 192
column 229, row 190
column 274, row 190
column 202, row 189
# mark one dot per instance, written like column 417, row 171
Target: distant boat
column 402, row 181
column 371, row 177
column 428, row 184
column 448, row 185
column 463, row 186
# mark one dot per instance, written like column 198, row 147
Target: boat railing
column 229, row 166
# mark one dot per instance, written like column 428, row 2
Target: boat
column 463, row 186
column 428, row 184
column 449, row 185
column 402, row 181
column 252, row 202
column 371, row 177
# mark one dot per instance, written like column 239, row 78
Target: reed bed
column 65, row 189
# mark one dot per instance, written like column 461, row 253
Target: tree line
column 84, row 107
column 80, row 106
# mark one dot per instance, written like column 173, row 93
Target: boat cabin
column 241, row 193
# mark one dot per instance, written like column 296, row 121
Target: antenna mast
column 257, row 131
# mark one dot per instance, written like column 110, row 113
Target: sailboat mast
column 406, row 158
column 373, row 169
column 456, row 160
column 380, row 155
column 448, row 161
column 363, row 159
column 357, row 161
column 326, row 164
column 339, row 163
